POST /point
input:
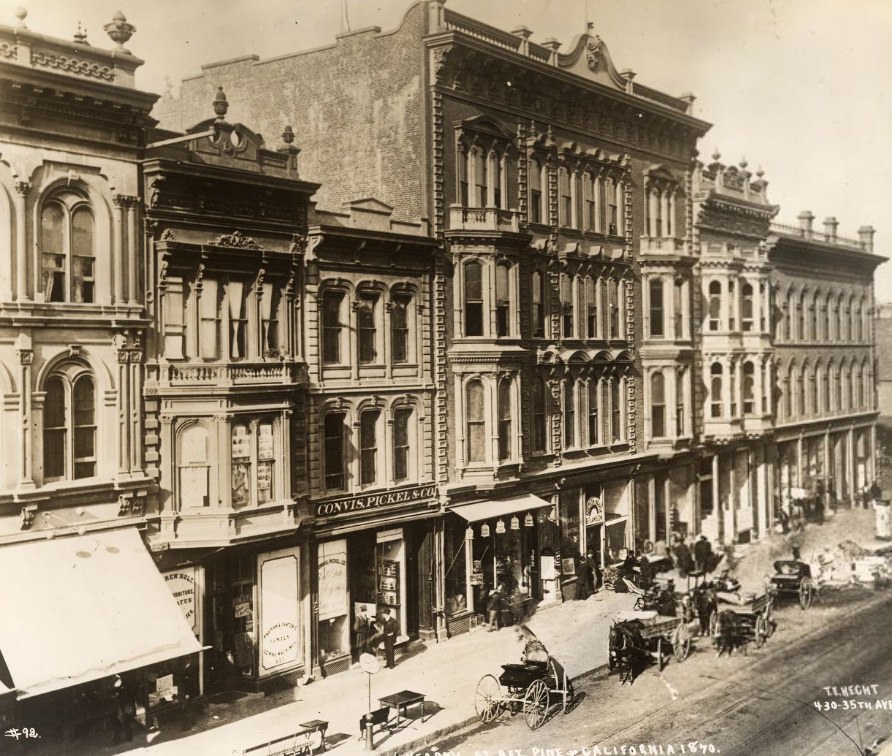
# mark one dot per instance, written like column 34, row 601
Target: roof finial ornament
column 21, row 14
column 743, row 163
column 80, row 35
column 288, row 135
column 119, row 31
column 221, row 105
column 716, row 155
column 760, row 172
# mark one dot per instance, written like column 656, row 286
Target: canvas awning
column 486, row 510
column 80, row 608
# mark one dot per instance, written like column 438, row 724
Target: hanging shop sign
column 594, row 511
column 380, row 500
column 477, row 572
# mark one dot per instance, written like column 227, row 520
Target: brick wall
column 356, row 108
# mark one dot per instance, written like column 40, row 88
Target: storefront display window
column 456, row 560
column 569, row 512
column 390, row 571
column 332, row 600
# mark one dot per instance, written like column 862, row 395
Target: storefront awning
column 79, row 608
column 487, row 510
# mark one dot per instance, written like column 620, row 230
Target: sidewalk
column 575, row 633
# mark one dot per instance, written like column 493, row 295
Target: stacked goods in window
column 389, row 583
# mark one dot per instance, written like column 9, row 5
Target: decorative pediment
column 590, row 58
column 483, row 124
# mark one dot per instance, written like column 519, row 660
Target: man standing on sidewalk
column 389, row 630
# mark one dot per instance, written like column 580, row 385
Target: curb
column 426, row 741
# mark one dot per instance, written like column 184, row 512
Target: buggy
column 793, row 577
column 534, row 686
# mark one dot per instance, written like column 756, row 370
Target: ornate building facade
column 528, row 167
column 76, row 480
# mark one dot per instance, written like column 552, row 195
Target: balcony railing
column 483, row 219
column 226, row 374
column 812, row 234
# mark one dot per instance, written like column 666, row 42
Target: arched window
column 837, row 389
column 537, row 295
column 567, row 306
column 800, row 389
column 334, row 442
column 591, row 305
column 540, row 414
column 594, row 427
column 473, row 303
column 657, row 405
column 368, row 314
column 715, row 390
column 403, row 442
column 814, row 399
column 402, row 327
column 480, row 178
column 813, row 317
column 565, row 205
column 656, row 309
column 820, row 316
column 847, row 395
column 67, row 254
column 613, row 308
column 503, row 300
column 612, row 208
column 69, row 425
column 506, row 441
column 680, row 381
column 850, row 319
column 588, row 182
column 616, row 409
column 537, row 215
column 746, row 307
column 570, row 414
column 859, row 388
column 368, row 447
column 462, row 176
column 788, row 383
column 827, row 309
column 801, row 315
column 193, row 467
column 840, row 319
column 333, row 328
column 475, row 419
column 749, row 388
column 715, row 305
column 789, row 313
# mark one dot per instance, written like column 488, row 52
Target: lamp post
column 369, row 665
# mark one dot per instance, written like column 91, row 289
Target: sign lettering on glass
column 279, row 609
column 332, row 579
column 265, row 443
column 181, row 584
column 594, row 511
column 240, row 446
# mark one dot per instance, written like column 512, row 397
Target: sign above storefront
column 379, row 500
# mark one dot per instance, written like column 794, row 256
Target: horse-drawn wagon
column 639, row 637
column 742, row 621
column 793, row 577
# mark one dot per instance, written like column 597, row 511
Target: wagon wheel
column 569, row 696
column 806, row 593
column 660, row 654
column 488, row 698
column 535, row 704
column 760, row 631
column 681, row 642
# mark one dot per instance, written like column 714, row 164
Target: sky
column 800, row 88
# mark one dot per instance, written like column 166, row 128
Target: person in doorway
column 683, row 562
column 362, row 627
column 125, row 705
column 584, row 580
column 594, row 563
column 187, row 691
column 494, row 604
column 702, row 554
column 389, row 628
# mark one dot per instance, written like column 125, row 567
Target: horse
column 728, row 633
column 624, row 649
column 704, row 604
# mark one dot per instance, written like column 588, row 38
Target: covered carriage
column 640, row 637
column 793, row 577
column 535, row 687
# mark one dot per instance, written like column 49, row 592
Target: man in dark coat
column 362, row 626
column 389, row 628
column 584, row 580
column 702, row 553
